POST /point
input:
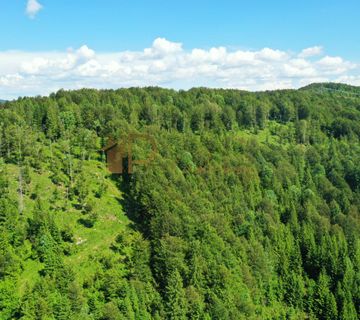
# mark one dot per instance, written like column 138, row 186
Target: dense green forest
column 249, row 208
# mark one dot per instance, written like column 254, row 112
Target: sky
column 46, row 45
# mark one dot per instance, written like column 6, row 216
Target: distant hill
column 333, row 87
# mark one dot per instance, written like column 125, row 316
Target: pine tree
column 175, row 297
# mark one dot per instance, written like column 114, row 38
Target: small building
column 119, row 154
column 114, row 157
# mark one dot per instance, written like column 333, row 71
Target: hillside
column 240, row 205
column 333, row 87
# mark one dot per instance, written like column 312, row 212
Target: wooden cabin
column 114, row 157
column 119, row 154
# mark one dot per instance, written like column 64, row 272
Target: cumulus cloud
column 32, row 8
column 85, row 52
column 334, row 65
column 270, row 54
column 163, row 46
column 311, row 52
column 168, row 64
column 331, row 61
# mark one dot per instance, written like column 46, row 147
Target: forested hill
column 333, row 87
column 247, row 207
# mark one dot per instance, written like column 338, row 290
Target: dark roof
column 110, row 145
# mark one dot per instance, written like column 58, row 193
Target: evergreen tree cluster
column 248, row 209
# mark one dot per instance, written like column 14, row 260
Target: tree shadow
column 87, row 223
column 132, row 207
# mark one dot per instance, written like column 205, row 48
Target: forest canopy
column 248, row 210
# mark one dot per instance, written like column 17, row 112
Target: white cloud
column 331, row 61
column 353, row 79
column 32, row 8
column 311, row 52
column 10, row 80
column 168, row 64
column 85, row 52
column 270, row 54
column 335, row 65
column 161, row 46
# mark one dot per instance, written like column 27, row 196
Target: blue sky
column 114, row 27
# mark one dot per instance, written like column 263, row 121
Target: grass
column 30, row 275
column 266, row 136
column 88, row 242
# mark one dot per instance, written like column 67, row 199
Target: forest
column 248, row 209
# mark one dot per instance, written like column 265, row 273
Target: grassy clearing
column 88, row 242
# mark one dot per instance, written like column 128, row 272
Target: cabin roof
column 110, row 145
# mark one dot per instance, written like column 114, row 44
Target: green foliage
column 249, row 208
